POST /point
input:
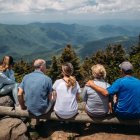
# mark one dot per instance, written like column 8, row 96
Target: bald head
column 40, row 64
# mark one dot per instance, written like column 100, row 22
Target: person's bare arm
column 78, row 96
column 97, row 88
column 110, row 108
column 21, row 99
column 52, row 95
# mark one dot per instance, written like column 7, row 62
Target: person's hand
column 89, row 83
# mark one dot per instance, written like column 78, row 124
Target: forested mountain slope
column 47, row 39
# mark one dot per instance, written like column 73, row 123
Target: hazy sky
column 25, row 11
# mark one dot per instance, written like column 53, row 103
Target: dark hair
column 129, row 72
column 11, row 60
column 67, row 69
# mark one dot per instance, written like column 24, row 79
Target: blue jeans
column 7, row 89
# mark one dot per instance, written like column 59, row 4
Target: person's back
column 66, row 104
column 128, row 104
column 36, row 87
column 66, row 90
column 96, row 103
column 128, row 93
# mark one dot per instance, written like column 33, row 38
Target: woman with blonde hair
column 66, row 91
column 97, row 105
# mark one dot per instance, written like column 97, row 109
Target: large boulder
column 12, row 129
column 6, row 101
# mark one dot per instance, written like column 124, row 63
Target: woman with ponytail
column 66, row 91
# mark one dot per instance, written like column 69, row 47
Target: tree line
column 110, row 57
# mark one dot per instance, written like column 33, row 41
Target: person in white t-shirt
column 66, row 91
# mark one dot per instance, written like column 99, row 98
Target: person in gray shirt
column 35, row 89
column 97, row 105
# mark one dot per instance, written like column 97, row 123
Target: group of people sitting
column 38, row 95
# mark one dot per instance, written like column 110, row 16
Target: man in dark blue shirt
column 127, row 90
column 35, row 89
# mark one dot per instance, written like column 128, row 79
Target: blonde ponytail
column 71, row 82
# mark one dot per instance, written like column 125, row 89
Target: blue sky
column 26, row 11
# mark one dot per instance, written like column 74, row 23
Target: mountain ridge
column 34, row 39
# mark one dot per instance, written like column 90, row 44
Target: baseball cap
column 126, row 66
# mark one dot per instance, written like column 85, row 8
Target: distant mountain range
column 93, row 46
column 45, row 40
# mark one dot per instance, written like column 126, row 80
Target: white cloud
column 108, row 6
column 9, row 6
column 64, row 7
column 29, row 5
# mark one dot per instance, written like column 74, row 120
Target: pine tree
column 98, row 57
column 111, row 57
column 115, row 55
column 69, row 55
column 135, row 58
column 86, row 70
column 54, row 70
column 22, row 68
column 135, row 49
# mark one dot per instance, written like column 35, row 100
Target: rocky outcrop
column 6, row 101
column 12, row 129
